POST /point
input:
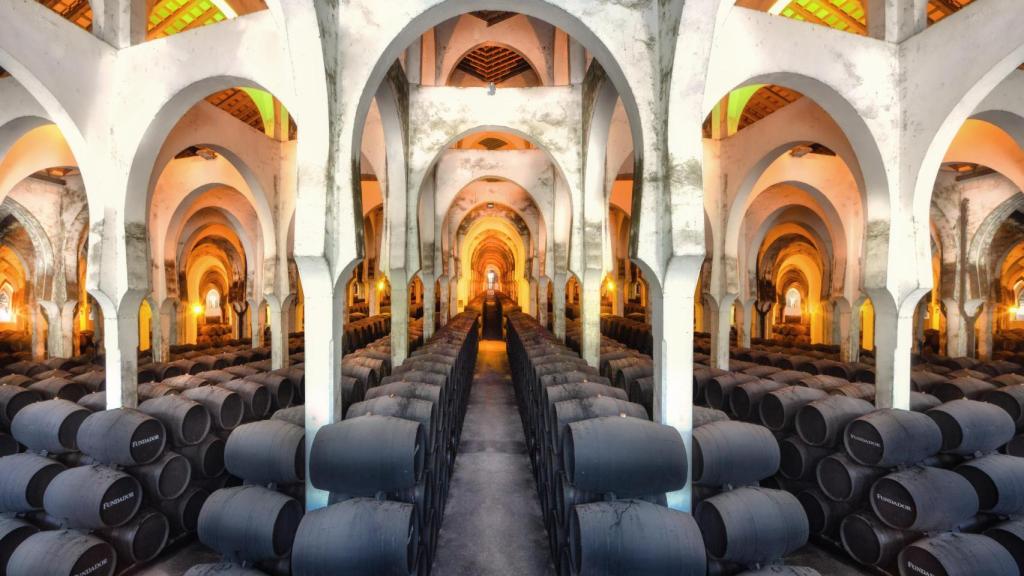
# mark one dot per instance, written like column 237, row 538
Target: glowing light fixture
column 778, row 7
column 610, row 285
column 197, row 309
column 225, row 8
column 1015, row 310
column 380, row 285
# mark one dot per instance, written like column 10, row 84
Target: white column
column 558, row 308
column 894, row 333
column 429, row 300
column 590, row 317
column 399, row 317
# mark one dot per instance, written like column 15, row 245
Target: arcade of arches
column 729, row 173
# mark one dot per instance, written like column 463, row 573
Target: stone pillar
column 590, row 317
column 157, row 343
column 985, row 324
column 558, row 308
column 279, row 313
column 746, row 316
column 67, row 326
column 429, row 300
column 54, row 330
column 956, row 329
column 542, row 300
column 533, row 297
column 721, row 323
column 399, row 317
column 894, row 332
column 372, row 299
column 255, row 324
column 453, row 294
column 850, row 345
column 38, row 338
column 445, row 299
column 121, row 344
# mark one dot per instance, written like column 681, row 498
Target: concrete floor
column 492, row 522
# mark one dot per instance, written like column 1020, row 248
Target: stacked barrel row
column 602, row 469
column 108, row 464
column 878, row 480
column 386, row 467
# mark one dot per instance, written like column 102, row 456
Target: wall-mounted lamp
column 197, row 309
column 610, row 285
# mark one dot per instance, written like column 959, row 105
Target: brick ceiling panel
column 491, row 63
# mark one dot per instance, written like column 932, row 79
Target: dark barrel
column 12, row 400
column 255, row 397
column 1010, row 535
column 780, row 525
column 56, row 387
column 294, row 415
column 1010, row 399
column 842, row 479
column 92, row 497
column 823, row 514
column 165, row 478
column 745, row 399
column 368, row 454
column 730, row 452
column 779, row 408
column 187, row 422
column 924, row 499
column 969, row 426
column 702, row 416
column 249, row 523
column 183, row 511
column 282, row 392
column 421, row 411
column 963, row 387
column 24, row 479
column 636, row 538
column 799, row 460
column 568, row 411
column 121, row 437
column 718, row 389
column 869, row 541
column 891, row 437
column 12, row 533
column 956, row 554
column 999, row 481
column 140, row 540
column 821, row 423
column 8, row 445
column 206, row 458
column 626, row 456
column 62, row 553
column 782, row 571
column 357, row 536
column 50, row 426
column 267, row 451
column 225, row 407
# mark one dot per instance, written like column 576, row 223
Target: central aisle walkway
column 492, row 524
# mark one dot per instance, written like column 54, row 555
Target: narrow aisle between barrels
column 492, row 524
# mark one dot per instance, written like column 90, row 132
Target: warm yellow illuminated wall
column 867, row 324
column 145, row 319
column 478, row 232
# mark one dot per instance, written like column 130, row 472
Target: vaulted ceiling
column 491, row 63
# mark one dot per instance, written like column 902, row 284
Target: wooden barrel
column 50, row 426
column 187, row 422
column 634, row 537
column 821, row 422
column 924, row 499
column 734, row 453
column 294, row 415
column 824, row 515
column 956, row 554
column 844, row 480
column 367, row 455
column 249, row 523
column 183, row 512
column 225, row 407
column 890, row 437
column 12, row 533
column 779, row 408
column 62, row 553
column 140, row 540
column 255, row 397
column 1010, row 399
column 963, row 387
column 1010, row 535
column 205, row 458
column 165, row 478
column 870, row 541
column 799, row 460
column 12, row 400
column 999, row 482
column 745, row 399
column 223, row 569
column 23, row 481
column 969, row 426
column 780, row 526
column 92, row 497
column 121, row 437
column 60, row 388
column 269, row 451
column 717, row 391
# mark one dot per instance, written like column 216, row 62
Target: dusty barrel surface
column 626, row 456
column 225, row 407
column 140, row 540
column 822, row 422
column 999, row 482
column 12, row 533
column 206, row 458
column 369, row 454
column 62, row 553
column 50, row 426
column 889, row 437
column 634, row 537
column 267, row 451
column 969, row 426
column 730, row 533
column 799, row 459
column 729, row 452
column 12, row 400
column 93, row 497
column 357, row 536
column 249, row 523
column 870, row 541
column 164, row 478
column 255, row 397
column 23, row 481
column 745, row 400
column 122, row 437
column 183, row 512
column 779, row 408
column 924, row 499
column 187, row 422
column 1010, row 535
column 842, row 479
column 956, row 554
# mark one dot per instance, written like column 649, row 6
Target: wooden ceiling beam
column 174, row 16
column 850, row 20
column 807, row 14
column 200, row 20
